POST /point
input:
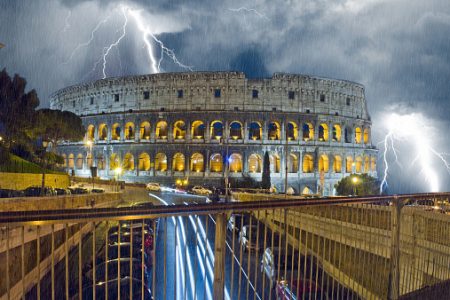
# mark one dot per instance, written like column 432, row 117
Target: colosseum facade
column 196, row 126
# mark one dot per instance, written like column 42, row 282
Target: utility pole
column 285, row 161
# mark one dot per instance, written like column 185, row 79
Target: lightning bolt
column 250, row 10
column 412, row 129
column 66, row 22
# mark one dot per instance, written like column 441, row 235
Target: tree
column 266, row 172
column 17, row 108
column 363, row 185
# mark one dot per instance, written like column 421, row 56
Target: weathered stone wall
column 20, row 181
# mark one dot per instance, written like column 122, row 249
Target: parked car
column 200, row 190
column 269, row 263
column 97, row 190
column 36, row 191
column 125, row 237
column 111, row 285
column 153, row 187
column 287, row 289
column 248, row 238
column 113, row 264
column 425, row 204
column 125, row 251
column 236, row 221
column 5, row 193
column 77, row 190
column 60, row 191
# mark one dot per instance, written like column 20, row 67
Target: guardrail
column 330, row 248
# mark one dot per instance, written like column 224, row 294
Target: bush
column 4, row 155
column 24, row 151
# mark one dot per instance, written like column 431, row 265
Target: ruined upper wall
column 199, row 91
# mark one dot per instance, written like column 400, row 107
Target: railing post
column 219, row 256
column 394, row 270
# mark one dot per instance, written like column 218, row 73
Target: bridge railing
column 335, row 248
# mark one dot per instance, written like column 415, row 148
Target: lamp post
column 354, row 181
column 117, row 172
column 89, row 144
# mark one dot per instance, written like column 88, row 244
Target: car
column 199, row 190
column 236, row 221
column 60, row 191
column 426, row 205
column 78, row 190
column 125, row 252
column 113, row 264
column 126, row 232
column 97, row 190
column 153, row 187
column 36, row 191
column 5, row 193
column 248, row 238
column 270, row 259
column 288, row 288
column 100, row 290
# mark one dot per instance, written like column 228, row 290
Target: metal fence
column 337, row 248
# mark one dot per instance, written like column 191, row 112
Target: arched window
column 80, row 161
column 236, row 130
column 216, row 130
column 323, row 132
column 90, row 132
column 348, row 135
column 103, row 132
column 71, row 162
column 308, row 132
column 89, row 160
column 115, row 133
column 373, row 164
column 358, row 135
column 359, row 164
column 274, row 163
column 128, row 162
column 337, row 164
column 292, row 163
column 324, row 163
column 160, row 162
column 197, row 162
column 179, row 130
column 366, row 135
column 144, row 162
column 235, row 162
column 307, row 191
column 178, row 162
column 349, row 164
column 254, row 131
column 144, row 131
column 100, row 162
column 366, row 164
column 198, row 130
column 64, row 160
column 336, row 133
column 254, row 163
column 292, row 131
column 216, row 163
column 129, row 131
column 308, row 163
column 114, row 162
column 273, row 131
column 161, row 130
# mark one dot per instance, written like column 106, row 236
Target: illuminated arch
column 274, row 163
column 144, row 162
column 292, row 163
column 366, row 164
column 90, row 132
column 160, row 162
column 235, row 162
column 197, row 162
column 216, row 163
column 366, row 135
column 178, row 162
column 307, row 191
column 292, row 131
column 198, row 130
column 274, row 131
column 216, row 130
column 129, row 131
column 308, row 131
column 64, row 156
column 103, row 132
column 71, row 161
column 80, row 161
column 349, row 164
column 324, row 163
column 308, row 163
column 323, row 132
column 255, row 131
column 144, row 131
column 337, row 164
column 358, row 137
column 128, row 162
column 100, row 162
column 179, row 130
column 337, row 132
column 236, row 130
column 114, row 162
column 358, row 164
column 161, row 130
column 373, row 164
column 89, row 160
column 254, row 163
column 115, row 132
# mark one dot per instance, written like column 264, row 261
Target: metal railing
column 335, row 248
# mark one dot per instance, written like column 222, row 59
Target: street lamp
column 117, row 172
column 354, row 181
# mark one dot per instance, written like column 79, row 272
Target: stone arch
column 307, row 191
column 179, row 130
column 115, row 132
column 292, row 131
column 145, row 131
column 308, row 131
column 236, row 130
column 144, row 162
column 64, row 156
column 162, row 130
column 90, row 132
column 178, row 162
column 100, row 162
column 308, row 163
column 216, row 130
column 373, row 164
column 358, row 164
column 235, row 162
column 114, row 161
column 323, row 132
column 358, row 135
column 324, row 163
column 160, row 162
column 129, row 131
column 337, row 132
column 348, row 134
column 197, row 162
column 275, row 162
column 198, row 130
column 366, row 135
column 337, row 164
column 216, row 163
column 274, row 131
column 349, row 164
column 292, row 163
column 254, row 163
column 79, row 164
column 71, row 161
column 128, row 162
column 89, row 160
column 103, row 132
column 255, row 131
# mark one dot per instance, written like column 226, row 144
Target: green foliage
column 364, row 185
column 16, row 164
column 266, row 172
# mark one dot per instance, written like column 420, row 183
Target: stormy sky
column 399, row 49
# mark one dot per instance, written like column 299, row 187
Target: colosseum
column 203, row 127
